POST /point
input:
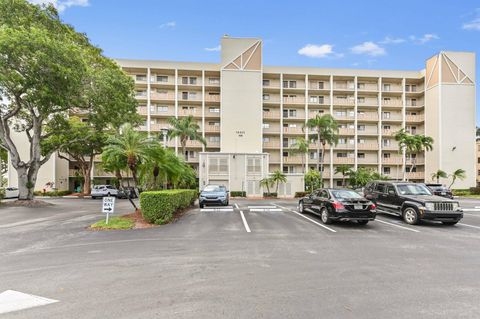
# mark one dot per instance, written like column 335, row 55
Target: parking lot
column 252, row 259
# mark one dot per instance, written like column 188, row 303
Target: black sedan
column 440, row 190
column 338, row 204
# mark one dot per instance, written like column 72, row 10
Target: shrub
column 475, row 190
column 2, row 193
column 238, row 194
column 269, row 194
column 301, row 194
column 158, row 207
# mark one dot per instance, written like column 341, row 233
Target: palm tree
column 460, row 174
column 277, row 178
column 129, row 146
column 301, row 147
column 343, row 169
column 439, row 174
column 325, row 129
column 267, row 183
column 412, row 144
column 185, row 128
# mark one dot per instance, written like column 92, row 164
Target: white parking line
column 216, row 209
column 469, row 225
column 410, row 229
column 265, row 210
column 11, row 300
column 471, row 209
column 255, row 207
column 247, row 228
column 309, row 219
column 236, row 206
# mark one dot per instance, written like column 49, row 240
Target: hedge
column 270, row 195
column 238, row 194
column 158, row 207
column 52, row 193
column 301, row 194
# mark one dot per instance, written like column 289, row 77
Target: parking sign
column 108, row 205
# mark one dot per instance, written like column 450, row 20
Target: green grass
column 114, row 223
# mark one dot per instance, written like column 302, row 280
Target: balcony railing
column 212, row 98
column 414, row 118
column 346, row 131
column 293, row 130
column 312, row 85
column 293, row 159
column 416, row 175
column 294, row 100
column 271, row 144
column 343, row 86
column 212, row 128
column 392, row 160
column 343, row 160
column 271, row 114
column 347, row 101
column 162, row 96
column 368, row 116
column 368, row 101
column 368, row 87
column 396, row 102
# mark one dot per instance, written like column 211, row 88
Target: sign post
column 108, row 207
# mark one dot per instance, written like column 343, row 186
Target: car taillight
column 373, row 206
column 338, row 205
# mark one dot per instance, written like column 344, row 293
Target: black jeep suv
column 413, row 202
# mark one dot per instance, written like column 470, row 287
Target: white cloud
column 472, row 25
column 217, row 48
column 61, row 5
column 168, row 25
column 427, row 37
column 369, row 48
column 318, row 51
column 391, row 40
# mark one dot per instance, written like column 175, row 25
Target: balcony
column 272, row 84
column 390, row 147
column 395, row 103
column 294, row 100
column 340, row 85
column 314, row 85
column 414, row 118
column 293, row 159
column 416, row 175
column 367, row 117
column 392, row 118
column 163, row 96
column 346, row 146
column 191, row 112
column 313, row 100
column 271, row 144
column 142, row 110
column 197, row 144
column 367, row 160
column 271, row 130
column 367, row 146
column 196, row 82
column 212, row 128
column 191, row 159
column 212, row 98
column 346, row 131
column 367, row 87
column 343, row 160
column 394, row 88
column 367, row 101
column 368, row 131
column 293, row 130
column 396, row 160
column 195, row 98
column 271, row 115
column 348, row 101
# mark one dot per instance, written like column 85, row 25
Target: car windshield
column 413, row 189
column 212, row 188
column 345, row 194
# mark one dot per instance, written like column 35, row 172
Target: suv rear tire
column 362, row 222
column 410, row 215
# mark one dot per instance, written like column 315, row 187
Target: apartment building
column 245, row 107
column 478, row 162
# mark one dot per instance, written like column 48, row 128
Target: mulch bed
column 137, row 218
column 34, row 203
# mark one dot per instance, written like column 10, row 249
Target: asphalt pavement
column 252, row 259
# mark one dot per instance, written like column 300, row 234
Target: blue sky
column 351, row 34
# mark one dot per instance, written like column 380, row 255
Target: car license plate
column 443, row 193
column 357, row 207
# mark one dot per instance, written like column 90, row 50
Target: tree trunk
column 318, row 153
column 343, row 180
column 87, row 181
column 23, row 190
column 321, row 166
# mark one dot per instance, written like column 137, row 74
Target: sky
column 335, row 34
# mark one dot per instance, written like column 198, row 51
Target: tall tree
column 300, row 147
column 325, row 129
column 457, row 174
column 439, row 174
column 47, row 70
column 412, row 144
column 185, row 128
column 345, row 170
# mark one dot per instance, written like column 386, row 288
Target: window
column 214, row 123
column 321, row 85
column 266, row 125
column 413, row 102
column 141, row 93
column 285, row 154
column 386, row 155
column 214, row 139
column 386, row 170
column 266, row 139
column 140, row 77
column 386, row 127
column 386, row 115
column 341, row 155
column 380, row 188
column 390, row 189
column 254, row 165
column 342, row 140
column 191, row 80
column 386, row 87
column 162, row 78
column 386, row 142
column 478, row 160
column 218, row 165
column 289, row 113
column 214, row 81
column 266, row 97
column 361, row 155
column 361, row 86
column 361, row 127
column 361, row 99
column 290, row 84
column 341, row 113
column 361, row 141
column 266, row 82
column 339, row 183
column 162, row 109
column 214, row 110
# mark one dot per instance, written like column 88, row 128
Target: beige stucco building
column 258, row 111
